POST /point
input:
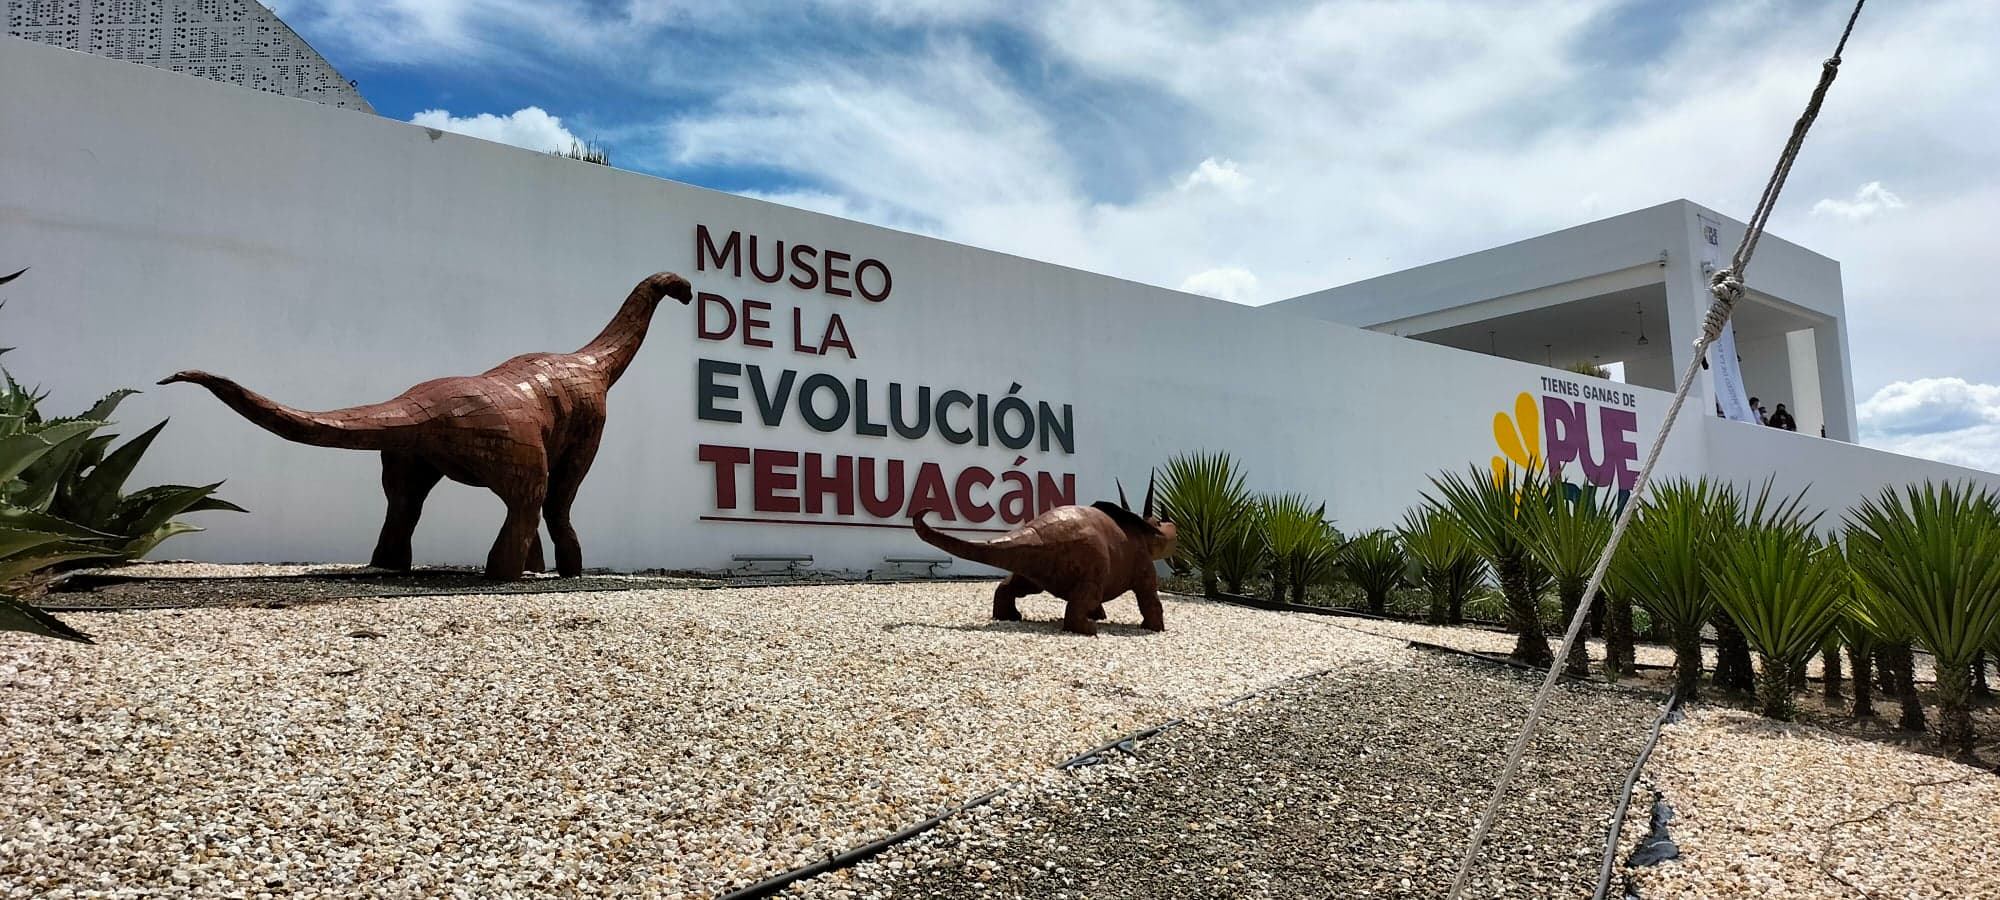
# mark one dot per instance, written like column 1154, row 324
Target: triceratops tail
column 976, row 551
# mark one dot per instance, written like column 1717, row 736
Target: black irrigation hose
column 1502, row 660
column 771, row 886
column 1669, row 712
column 1127, row 745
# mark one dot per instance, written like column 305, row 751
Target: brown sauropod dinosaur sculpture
column 1085, row 555
column 527, row 429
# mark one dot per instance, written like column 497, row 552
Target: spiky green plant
column 1662, row 562
column 1929, row 559
column 61, row 500
column 1488, row 506
column 1203, row 494
column 1786, row 591
column 1242, row 552
column 1568, row 528
column 1375, row 563
column 1447, row 566
column 1302, row 543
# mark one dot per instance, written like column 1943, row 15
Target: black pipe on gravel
column 771, row 886
column 1668, row 713
column 1127, row 745
column 1502, row 660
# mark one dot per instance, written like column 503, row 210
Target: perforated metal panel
column 234, row 41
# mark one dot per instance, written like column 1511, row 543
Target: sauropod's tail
column 354, row 428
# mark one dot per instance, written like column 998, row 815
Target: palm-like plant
column 1203, row 494
column 1375, row 563
column 1661, row 563
column 1302, row 543
column 1488, row 507
column 1447, row 566
column 1620, row 636
column 1568, row 529
column 1786, row 591
column 1242, row 553
column 1888, row 644
column 1929, row 559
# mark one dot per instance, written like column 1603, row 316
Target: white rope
column 1726, row 285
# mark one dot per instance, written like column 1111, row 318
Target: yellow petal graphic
column 1528, row 415
column 1509, row 438
column 1499, row 471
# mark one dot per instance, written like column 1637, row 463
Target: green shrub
column 1242, row 553
column 1203, row 495
column 1374, row 562
column 62, row 500
column 1488, row 507
column 1928, row 566
column 1785, row 590
column 1303, row 545
column 1662, row 563
column 1568, row 528
column 1447, row 566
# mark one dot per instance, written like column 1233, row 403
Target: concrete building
column 1628, row 293
column 232, row 41
column 833, row 377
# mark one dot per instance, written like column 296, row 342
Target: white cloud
column 529, row 127
column 1219, row 174
column 1930, row 405
column 1947, row 419
column 1380, row 135
column 1226, row 283
column 1869, row 201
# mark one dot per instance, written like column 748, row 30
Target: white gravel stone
column 1765, row 809
column 658, row 743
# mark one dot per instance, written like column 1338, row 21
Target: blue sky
column 1255, row 151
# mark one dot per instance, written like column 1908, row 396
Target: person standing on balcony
column 1783, row 419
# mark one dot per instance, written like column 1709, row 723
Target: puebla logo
column 1575, row 429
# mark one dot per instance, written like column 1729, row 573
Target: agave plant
column 1662, row 562
column 1302, row 543
column 1488, row 506
column 1447, row 566
column 1568, row 529
column 1204, row 496
column 61, row 500
column 1375, row 563
column 1929, row 559
column 1786, row 591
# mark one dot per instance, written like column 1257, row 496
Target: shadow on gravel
column 110, row 590
column 1358, row 783
column 1027, row 626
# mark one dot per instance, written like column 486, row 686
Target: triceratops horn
column 1150, row 479
column 1121, row 494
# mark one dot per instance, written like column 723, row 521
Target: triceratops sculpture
column 1085, row 555
column 526, row 429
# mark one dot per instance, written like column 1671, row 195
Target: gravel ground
column 666, row 742
column 1764, row 809
column 1360, row 783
